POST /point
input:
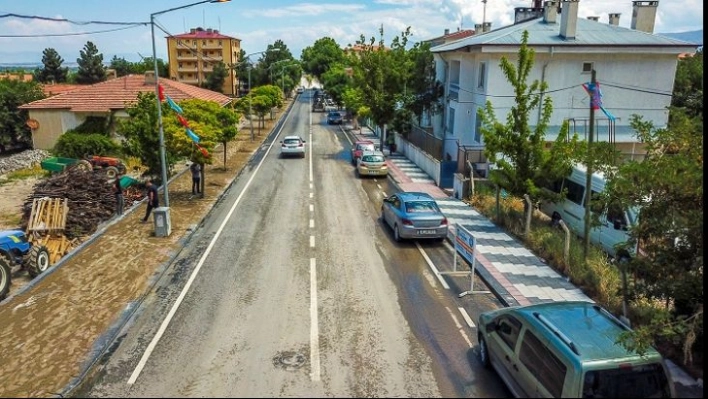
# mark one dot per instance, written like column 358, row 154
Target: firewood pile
column 90, row 200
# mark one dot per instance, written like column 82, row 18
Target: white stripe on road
column 459, row 327
column 432, row 266
column 312, row 241
column 314, row 325
column 467, row 317
column 312, row 208
column 312, row 195
column 312, row 223
column 165, row 323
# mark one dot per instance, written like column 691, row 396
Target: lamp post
column 245, row 59
column 163, row 161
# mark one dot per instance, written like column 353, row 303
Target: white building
column 634, row 67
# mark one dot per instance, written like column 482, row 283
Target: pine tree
column 215, row 80
column 52, row 71
column 91, row 69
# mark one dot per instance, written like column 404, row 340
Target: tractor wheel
column 111, row 172
column 84, row 165
column 5, row 278
column 37, row 261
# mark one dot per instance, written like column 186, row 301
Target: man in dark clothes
column 196, row 170
column 152, row 199
column 118, row 190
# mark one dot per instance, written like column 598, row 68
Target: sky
column 260, row 23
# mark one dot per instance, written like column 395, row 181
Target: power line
column 10, row 15
column 71, row 34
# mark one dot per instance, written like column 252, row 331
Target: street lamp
column 163, row 161
column 250, row 112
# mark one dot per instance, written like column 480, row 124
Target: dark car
column 334, row 118
column 414, row 215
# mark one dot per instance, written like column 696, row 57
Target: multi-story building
column 192, row 57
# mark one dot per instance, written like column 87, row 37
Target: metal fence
column 475, row 156
column 425, row 140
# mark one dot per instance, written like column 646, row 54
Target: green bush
column 78, row 145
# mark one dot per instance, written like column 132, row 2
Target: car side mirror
column 617, row 224
column 281, row 141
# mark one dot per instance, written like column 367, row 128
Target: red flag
column 203, row 150
column 161, row 92
column 183, row 121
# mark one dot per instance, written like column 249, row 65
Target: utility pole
column 594, row 98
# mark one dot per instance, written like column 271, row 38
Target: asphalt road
column 293, row 287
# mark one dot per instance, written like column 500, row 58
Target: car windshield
column 291, row 141
column 366, row 147
column 372, row 158
column 647, row 381
column 421, row 206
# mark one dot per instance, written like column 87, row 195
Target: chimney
column 111, row 73
column 594, row 18
column 644, row 15
column 447, row 32
column 193, row 30
column 150, row 78
column 522, row 14
column 478, row 29
column 569, row 19
column 209, row 30
column 216, row 31
column 615, row 18
column 550, row 12
column 486, row 27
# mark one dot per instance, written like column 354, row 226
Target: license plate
column 373, row 172
column 291, row 146
column 426, row 232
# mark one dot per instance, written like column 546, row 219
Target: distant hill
column 695, row 36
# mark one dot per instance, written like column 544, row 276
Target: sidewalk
column 514, row 274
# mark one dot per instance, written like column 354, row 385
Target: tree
column 241, row 70
column 52, row 71
column 425, row 89
column 523, row 164
column 336, row 80
column 13, row 128
column 228, row 119
column 353, row 101
column 215, row 80
column 121, row 66
column 321, row 56
column 667, row 188
column 688, row 85
column 91, row 69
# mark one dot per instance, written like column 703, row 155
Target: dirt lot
column 13, row 196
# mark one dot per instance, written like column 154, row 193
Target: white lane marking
column 346, row 136
column 312, row 208
column 310, row 157
column 432, row 266
column 310, row 186
column 467, row 317
column 379, row 186
column 459, row 327
column 312, row 241
column 165, row 323
column 314, row 325
column 384, row 193
column 312, row 195
column 312, row 223
column 457, row 323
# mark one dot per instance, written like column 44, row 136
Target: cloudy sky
column 260, row 23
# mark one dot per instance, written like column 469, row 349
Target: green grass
column 35, row 171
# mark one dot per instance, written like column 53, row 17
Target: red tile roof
column 200, row 33
column 59, row 88
column 114, row 94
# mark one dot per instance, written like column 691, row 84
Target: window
column 455, row 72
column 548, row 369
column 179, row 42
column 575, row 191
column 482, row 75
column 372, row 158
column 194, row 42
column 616, row 216
column 587, row 67
column 421, row 206
column 508, row 329
column 644, row 381
column 478, row 128
column 451, row 121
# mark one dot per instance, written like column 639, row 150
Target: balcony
column 213, row 45
column 187, row 57
column 191, row 81
column 188, row 68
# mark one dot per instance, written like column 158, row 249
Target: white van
column 614, row 223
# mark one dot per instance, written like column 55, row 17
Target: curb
column 105, row 340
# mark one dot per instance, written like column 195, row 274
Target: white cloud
column 302, row 9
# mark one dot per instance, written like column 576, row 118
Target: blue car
column 414, row 215
column 334, row 118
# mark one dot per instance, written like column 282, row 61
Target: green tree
column 336, row 80
column 321, row 56
column 424, row 89
column 91, row 69
column 52, row 70
column 241, row 69
column 228, row 122
column 13, row 128
column 121, row 66
column 215, row 80
column 523, row 163
column 353, row 100
column 688, row 85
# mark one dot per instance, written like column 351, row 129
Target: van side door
column 542, row 372
column 502, row 347
column 613, row 230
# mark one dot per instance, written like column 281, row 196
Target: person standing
column 118, row 191
column 152, row 199
column 196, row 177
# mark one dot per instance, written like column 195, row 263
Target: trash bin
column 163, row 225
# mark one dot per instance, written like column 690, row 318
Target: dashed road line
column 432, row 266
column 314, row 325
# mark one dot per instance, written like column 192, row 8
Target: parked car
column 372, row 163
column 414, row 215
column 568, row 349
column 334, row 118
column 292, row 146
column 359, row 147
column 300, row 90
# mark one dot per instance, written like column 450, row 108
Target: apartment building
column 192, row 57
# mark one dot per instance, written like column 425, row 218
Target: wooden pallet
column 48, row 215
column 57, row 245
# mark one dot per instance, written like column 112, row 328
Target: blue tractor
column 16, row 252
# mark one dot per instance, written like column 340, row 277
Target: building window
column 478, row 129
column 219, row 42
column 455, row 72
column 587, row 67
column 451, row 121
column 482, row 75
column 180, row 65
column 179, row 42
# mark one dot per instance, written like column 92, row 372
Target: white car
column 292, row 146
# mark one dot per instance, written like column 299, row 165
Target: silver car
column 414, row 215
column 292, row 146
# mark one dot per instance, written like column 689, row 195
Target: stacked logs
column 90, row 196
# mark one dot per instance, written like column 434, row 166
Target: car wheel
column 483, row 351
column 396, row 234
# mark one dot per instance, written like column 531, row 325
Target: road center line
column 314, row 325
column 432, row 266
column 467, row 317
column 312, row 208
column 312, row 223
column 312, row 241
column 165, row 323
